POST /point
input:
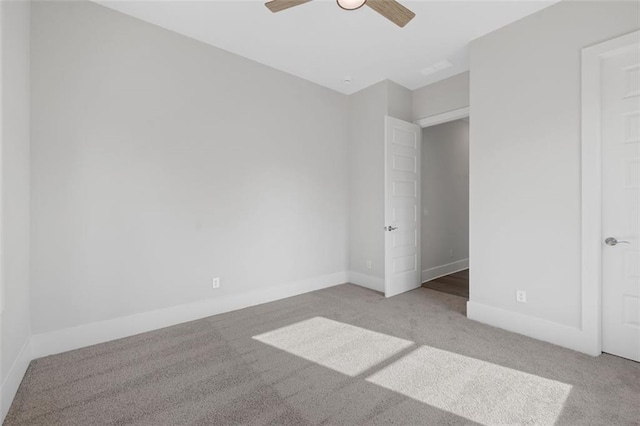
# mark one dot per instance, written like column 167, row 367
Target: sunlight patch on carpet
column 341, row 347
column 477, row 390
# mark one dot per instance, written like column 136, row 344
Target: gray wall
column 525, row 156
column 367, row 109
column 445, row 194
column 442, row 96
column 14, row 86
column 160, row 162
column 399, row 101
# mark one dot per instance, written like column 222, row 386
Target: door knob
column 611, row 241
column 390, row 228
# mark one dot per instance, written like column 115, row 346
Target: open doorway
column 445, row 204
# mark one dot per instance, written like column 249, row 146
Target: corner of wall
column 368, row 108
column 15, row 320
column 399, row 103
column 367, row 281
column 16, row 373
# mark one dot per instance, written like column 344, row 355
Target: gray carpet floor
column 339, row 356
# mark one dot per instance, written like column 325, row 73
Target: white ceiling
column 322, row 43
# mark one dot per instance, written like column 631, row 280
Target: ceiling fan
column 390, row 9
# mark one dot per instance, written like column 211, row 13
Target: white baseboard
column 442, row 270
column 90, row 334
column 364, row 280
column 14, row 378
column 537, row 328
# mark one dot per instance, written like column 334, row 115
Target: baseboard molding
column 537, row 328
column 14, row 378
column 90, row 334
column 442, row 270
column 364, row 280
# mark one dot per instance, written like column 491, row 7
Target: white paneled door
column 402, row 206
column 620, row 97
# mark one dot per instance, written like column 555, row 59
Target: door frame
column 591, row 187
column 445, row 117
column 430, row 121
column 424, row 122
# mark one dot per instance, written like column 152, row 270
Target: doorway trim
column 434, row 120
column 591, row 188
column 444, row 117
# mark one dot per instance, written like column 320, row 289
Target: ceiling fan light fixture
column 351, row 4
column 390, row 9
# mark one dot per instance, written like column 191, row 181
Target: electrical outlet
column 369, row 264
column 451, row 253
column 521, row 296
column 215, row 283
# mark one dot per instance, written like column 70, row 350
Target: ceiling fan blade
column 280, row 5
column 392, row 10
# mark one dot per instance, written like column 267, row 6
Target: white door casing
column 402, row 206
column 620, row 103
